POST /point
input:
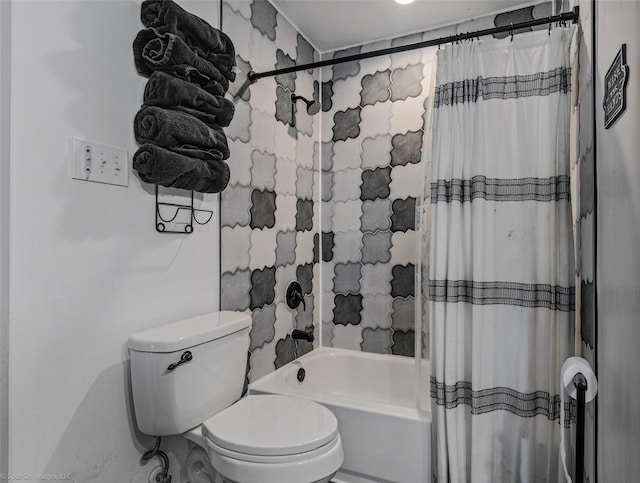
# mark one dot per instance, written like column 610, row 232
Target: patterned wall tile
column 304, row 247
column 346, row 124
column 327, row 246
column 286, row 36
column 240, row 129
column 403, row 343
column 263, row 208
column 376, row 311
column 347, row 278
column 263, row 18
column 376, row 279
column 288, row 81
column 407, row 180
column 285, row 247
column 305, row 151
column 376, row 215
column 262, row 330
column 262, row 131
column 376, row 119
column 285, row 138
column 262, row 287
column 407, row 115
column 346, row 185
column 284, row 275
column 284, row 107
column 305, row 52
column 262, row 252
column 404, row 213
column 304, row 183
column 236, row 203
column 407, row 82
column 375, row 88
column 262, row 170
column 285, row 212
column 285, row 351
column 263, row 51
column 304, row 214
column 376, row 152
column 263, row 95
column 346, row 155
column 262, row 361
column 376, row 340
column 304, row 276
column 241, row 169
column 403, row 247
column 347, row 337
column 402, row 283
column 403, row 315
column 348, row 246
column 347, row 309
column 375, row 183
column 406, row 148
column 303, row 317
column 235, row 295
column 376, row 247
column 327, row 94
column 238, row 250
column 285, row 176
column 346, row 215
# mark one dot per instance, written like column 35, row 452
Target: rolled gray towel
column 201, row 172
column 208, row 42
column 175, row 129
column 167, row 91
column 167, row 52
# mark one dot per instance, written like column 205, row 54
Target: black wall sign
column 615, row 88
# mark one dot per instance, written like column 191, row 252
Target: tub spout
column 302, row 334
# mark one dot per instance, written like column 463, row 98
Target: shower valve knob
column 295, row 296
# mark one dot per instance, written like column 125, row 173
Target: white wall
column 87, row 267
column 618, row 247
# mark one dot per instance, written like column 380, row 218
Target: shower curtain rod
column 574, row 15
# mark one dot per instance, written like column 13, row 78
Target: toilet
column 187, row 379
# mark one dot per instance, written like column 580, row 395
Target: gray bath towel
column 207, row 41
column 167, row 91
column 167, row 52
column 175, row 129
column 201, row 172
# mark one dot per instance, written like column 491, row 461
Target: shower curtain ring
column 511, row 31
column 550, row 24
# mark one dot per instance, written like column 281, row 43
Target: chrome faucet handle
column 295, row 296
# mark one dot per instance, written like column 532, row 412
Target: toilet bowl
column 190, row 375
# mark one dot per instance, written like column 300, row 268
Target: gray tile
column 304, row 215
column 376, row 215
column 376, row 340
column 403, row 343
column 348, row 69
column 288, row 81
column 347, row 309
column 285, row 351
column 327, row 186
column 327, row 94
column 375, row 183
column 348, row 247
column 375, row 88
column 404, row 314
column 304, row 276
column 262, row 287
column 263, row 17
column 406, row 148
column 235, row 206
column 235, row 288
column 376, row 247
column 327, row 246
column 285, row 247
column 304, row 183
column 403, row 283
column 347, row 278
column 316, row 248
column 407, row 82
column 327, row 156
column 263, row 326
column 263, row 170
column 346, row 124
column 404, row 215
column 304, row 51
column 263, row 209
column 284, row 106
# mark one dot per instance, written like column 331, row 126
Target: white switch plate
column 92, row 161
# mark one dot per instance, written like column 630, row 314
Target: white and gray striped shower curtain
column 501, row 265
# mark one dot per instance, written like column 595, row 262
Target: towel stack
column 179, row 127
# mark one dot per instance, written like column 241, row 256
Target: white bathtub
column 386, row 439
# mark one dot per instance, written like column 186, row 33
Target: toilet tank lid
column 189, row 332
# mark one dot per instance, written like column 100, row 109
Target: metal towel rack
column 176, row 208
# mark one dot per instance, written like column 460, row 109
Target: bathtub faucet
column 302, row 334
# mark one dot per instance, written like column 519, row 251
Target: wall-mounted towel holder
column 175, row 209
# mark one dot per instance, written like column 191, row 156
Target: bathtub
column 385, row 438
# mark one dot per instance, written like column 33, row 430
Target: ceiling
column 336, row 24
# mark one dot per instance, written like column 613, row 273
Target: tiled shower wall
column 372, row 176
column 270, row 211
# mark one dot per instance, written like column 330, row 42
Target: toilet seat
column 272, row 425
column 274, row 439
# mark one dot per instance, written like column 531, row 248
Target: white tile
column 346, row 93
column 263, row 248
column 263, row 51
column 407, row 115
column 304, row 247
column 376, row 152
column 403, row 59
column 326, row 214
column 263, row 96
column 285, row 212
column 304, row 150
column 346, row 185
column 236, row 242
column 262, row 131
column 347, row 247
column 239, row 29
column 285, row 176
column 403, row 247
column 285, row 141
column 284, row 321
column 376, row 311
column 286, row 36
column 240, row 162
column 346, row 154
column 347, row 337
column 376, row 278
column 407, row 181
column 243, row 7
column 376, row 119
column 346, row 215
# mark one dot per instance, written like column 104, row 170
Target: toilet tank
column 171, row 399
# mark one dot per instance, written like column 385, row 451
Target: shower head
column 313, row 107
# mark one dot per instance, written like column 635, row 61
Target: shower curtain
column 501, row 257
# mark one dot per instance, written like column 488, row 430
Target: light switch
column 92, row 161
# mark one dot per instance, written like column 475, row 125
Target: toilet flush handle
column 184, row 358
